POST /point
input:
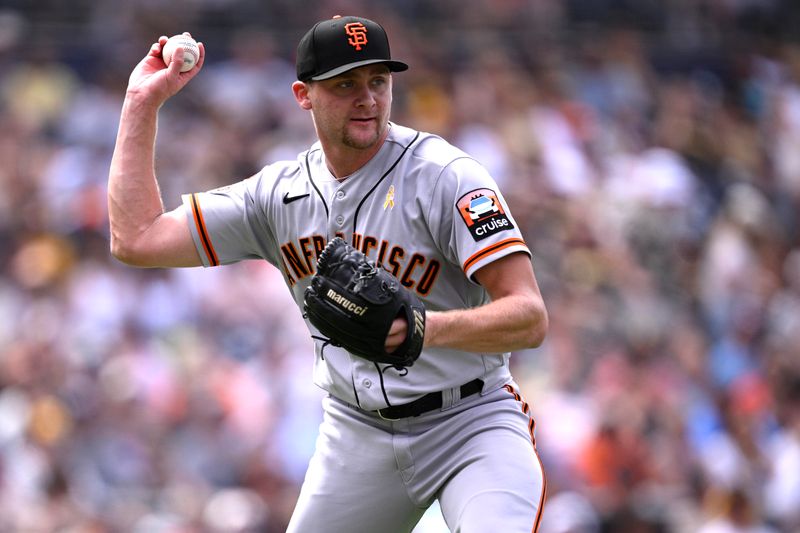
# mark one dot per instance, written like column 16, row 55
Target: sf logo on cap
column 357, row 33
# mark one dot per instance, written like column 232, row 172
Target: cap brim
column 394, row 66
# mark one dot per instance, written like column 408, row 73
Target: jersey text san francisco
column 414, row 270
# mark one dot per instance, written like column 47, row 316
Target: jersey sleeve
column 228, row 224
column 475, row 227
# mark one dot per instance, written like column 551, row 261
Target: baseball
column 191, row 52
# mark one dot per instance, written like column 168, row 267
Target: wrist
column 137, row 102
column 432, row 328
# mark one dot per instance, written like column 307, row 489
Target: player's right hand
column 154, row 82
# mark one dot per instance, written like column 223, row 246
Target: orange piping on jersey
column 531, row 427
column 496, row 247
column 200, row 223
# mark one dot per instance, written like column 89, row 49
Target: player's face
column 353, row 108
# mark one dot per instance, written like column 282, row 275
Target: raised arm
column 142, row 233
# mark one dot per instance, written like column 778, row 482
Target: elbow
column 121, row 253
column 125, row 253
column 538, row 326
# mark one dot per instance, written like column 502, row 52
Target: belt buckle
column 386, row 418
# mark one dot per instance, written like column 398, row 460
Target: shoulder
column 279, row 172
column 283, row 169
column 262, row 186
column 430, row 149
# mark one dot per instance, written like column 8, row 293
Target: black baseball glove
column 353, row 302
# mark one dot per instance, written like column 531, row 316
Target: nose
column 364, row 96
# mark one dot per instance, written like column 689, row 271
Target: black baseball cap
column 339, row 44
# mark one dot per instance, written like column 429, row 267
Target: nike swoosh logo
column 289, row 199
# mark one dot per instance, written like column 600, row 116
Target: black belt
column 429, row 402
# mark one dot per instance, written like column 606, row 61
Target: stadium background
column 649, row 150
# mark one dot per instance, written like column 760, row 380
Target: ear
column 300, row 91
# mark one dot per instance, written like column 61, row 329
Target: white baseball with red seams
column 191, row 52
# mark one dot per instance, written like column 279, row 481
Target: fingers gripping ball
column 191, row 52
column 354, row 302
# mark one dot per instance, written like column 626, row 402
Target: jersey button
column 340, row 220
column 340, row 195
column 367, row 383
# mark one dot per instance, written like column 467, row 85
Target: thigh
column 352, row 484
column 501, row 479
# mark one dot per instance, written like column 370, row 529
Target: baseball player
column 449, row 424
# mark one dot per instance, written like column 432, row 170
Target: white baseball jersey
column 421, row 208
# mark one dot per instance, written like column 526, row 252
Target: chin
column 361, row 141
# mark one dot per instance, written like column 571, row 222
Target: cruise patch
column 483, row 213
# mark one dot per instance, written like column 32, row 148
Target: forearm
column 134, row 199
column 510, row 323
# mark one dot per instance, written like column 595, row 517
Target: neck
column 343, row 161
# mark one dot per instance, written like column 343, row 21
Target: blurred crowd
column 650, row 151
